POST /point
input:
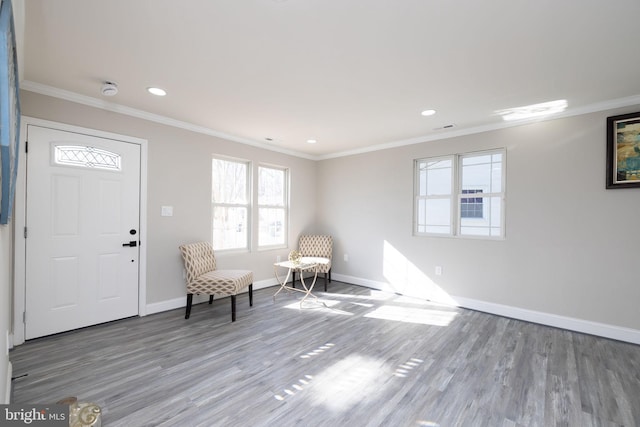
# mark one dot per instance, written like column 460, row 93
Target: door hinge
column 25, row 232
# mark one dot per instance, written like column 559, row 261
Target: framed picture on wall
column 9, row 112
column 623, row 151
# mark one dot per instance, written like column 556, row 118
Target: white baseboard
column 7, row 393
column 572, row 324
column 172, row 304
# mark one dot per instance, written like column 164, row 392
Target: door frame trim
column 19, row 242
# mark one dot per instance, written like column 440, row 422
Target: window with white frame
column 460, row 195
column 231, row 203
column 272, row 206
column 434, row 187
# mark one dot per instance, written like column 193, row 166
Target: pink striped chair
column 203, row 278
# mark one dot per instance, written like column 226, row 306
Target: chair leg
column 325, row 281
column 189, row 301
column 233, row 308
column 329, row 275
column 293, row 280
column 251, row 295
column 211, row 299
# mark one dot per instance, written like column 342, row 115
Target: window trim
column 248, row 205
column 450, row 196
column 285, row 207
column 456, row 195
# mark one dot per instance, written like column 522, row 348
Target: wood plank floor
column 367, row 359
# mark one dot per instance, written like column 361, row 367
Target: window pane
column 229, row 227
column 272, row 226
column 271, row 186
column 471, row 207
column 489, row 224
column 434, row 215
column 476, row 160
column 272, row 206
column 477, row 177
column 482, row 172
column 496, row 176
column 439, row 177
column 229, row 181
column 434, row 177
column 422, row 179
column 88, row 157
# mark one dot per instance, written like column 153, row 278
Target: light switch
column 167, row 211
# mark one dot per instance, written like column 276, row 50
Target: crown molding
column 140, row 114
column 570, row 112
column 117, row 108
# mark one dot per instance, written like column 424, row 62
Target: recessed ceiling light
column 428, row 112
column 534, row 110
column 311, row 141
column 156, row 91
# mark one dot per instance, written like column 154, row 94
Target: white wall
column 571, row 247
column 179, row 175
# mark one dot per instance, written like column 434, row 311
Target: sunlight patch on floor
column 311, row 304
column 405, row 369
column 347, row 382
column 413, row 315
column 317, row 351
column 319, row 305
column 306, row 379
column 374, row 295
column 362, row 304
column 297, row 387
column 422, row 302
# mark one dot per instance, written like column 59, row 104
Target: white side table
column 293, row 267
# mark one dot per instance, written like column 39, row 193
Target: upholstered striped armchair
column 318, row 249
column 204, row 278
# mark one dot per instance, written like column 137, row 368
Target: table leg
column 310, row 288
column 283, row 284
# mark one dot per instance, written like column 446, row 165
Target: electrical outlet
column 278, row 258
column 346, row 257
column 438, row 270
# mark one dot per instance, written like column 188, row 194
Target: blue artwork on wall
column 9, row 111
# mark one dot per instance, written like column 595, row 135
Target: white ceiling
column 352, row 74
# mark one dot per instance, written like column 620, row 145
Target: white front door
column 83, row 224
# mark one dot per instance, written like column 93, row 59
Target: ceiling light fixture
column 534, row 110
column 311, row 141
column 156, row 91
column 109, row 88
column 427, row 113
